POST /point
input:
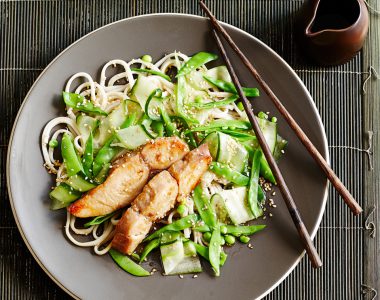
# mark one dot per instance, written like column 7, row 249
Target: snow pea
column 158, row 127
column 215, row 250
column 62, row 196
column 236, row 124
column 168, row 124
column 243, row 230
column 253, row 202
column 153, row 244
column 180, row 96
column 130, row 120
column 103, row 173
column 153, row 72
column 204, row 252
column 181, row 224
column 70, row 157
column 231, row 175
column 195, row 62
column 104, row 156
column 230, row 88
column 99, row 220
column 241, row 136
column 214, row 104
column 189, row 135
column 204, row 207
column 88, row 156
column 80, row 103
column 127, row 264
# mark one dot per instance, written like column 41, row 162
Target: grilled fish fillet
column 188, row 171
column 158, row 198
column 128, row 177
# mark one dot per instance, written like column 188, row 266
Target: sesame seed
column 180, row 276
column 195, row 276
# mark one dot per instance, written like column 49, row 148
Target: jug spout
column 332, row 31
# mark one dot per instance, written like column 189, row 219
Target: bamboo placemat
column 33, row 32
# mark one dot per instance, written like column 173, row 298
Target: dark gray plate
column 248, row 273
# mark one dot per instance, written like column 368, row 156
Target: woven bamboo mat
column 33, row 32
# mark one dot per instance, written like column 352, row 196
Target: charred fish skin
column 120, row 188
column 190, row 169
column 128, row 176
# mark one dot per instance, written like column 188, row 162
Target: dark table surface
column 33, row 32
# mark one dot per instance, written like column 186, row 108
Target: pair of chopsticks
column 339, row 186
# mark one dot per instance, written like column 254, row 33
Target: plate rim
column 250, row 36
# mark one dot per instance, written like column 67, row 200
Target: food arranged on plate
column 159, row 156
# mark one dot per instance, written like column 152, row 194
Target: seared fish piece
column 130, row 231
column 128, row 177
column 160, row 154
column 156, row 199
column 120, row 188
column 188, row 171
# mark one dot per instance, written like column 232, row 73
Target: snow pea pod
column 103, row 173
column 158, row 127
column 181, row 224
column 99, row 219
column 243, row 230
column 236, row 124
column 80, row 103
column 214, row 104
column 70, row 157
column 195, row 62
column 204, row 207
column 230, row 88
column 88, row 156
column 153, row 244
column 168, row 124
column 231, row 175
column 127, row 264
column 253, row 202
column 104, row 156
column 215, row 250
column 153, row 72
column 203, row 251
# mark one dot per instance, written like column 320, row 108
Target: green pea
column 222, row 241
column 244, row 239
column 274, row 119
column 198, row 99
column 262, row 115
column 240, row 106
column 135, row 256
column 147, row 58
column 53, row 143
column 223, row 229
column 181, row 209
column 230, row 239
column 207, row 236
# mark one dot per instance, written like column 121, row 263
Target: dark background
column 33, row 32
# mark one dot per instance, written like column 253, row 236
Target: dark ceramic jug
column 332, row 31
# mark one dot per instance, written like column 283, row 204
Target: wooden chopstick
column 338, row 185
column 302, row 231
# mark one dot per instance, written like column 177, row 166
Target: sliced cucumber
column 220, row 73
column 62, row 196
column 236, row 205
column 143, row 87
column 86, row 124
column 232, row 153
column 134, row 107
column 153, row 105
column 190, row 263
column 217, row 202
column 269, row 130
column 80, row 184
column 171, row 255
column 212, row 140
column 133, row 137
column 280, row 146
column 109, row 124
